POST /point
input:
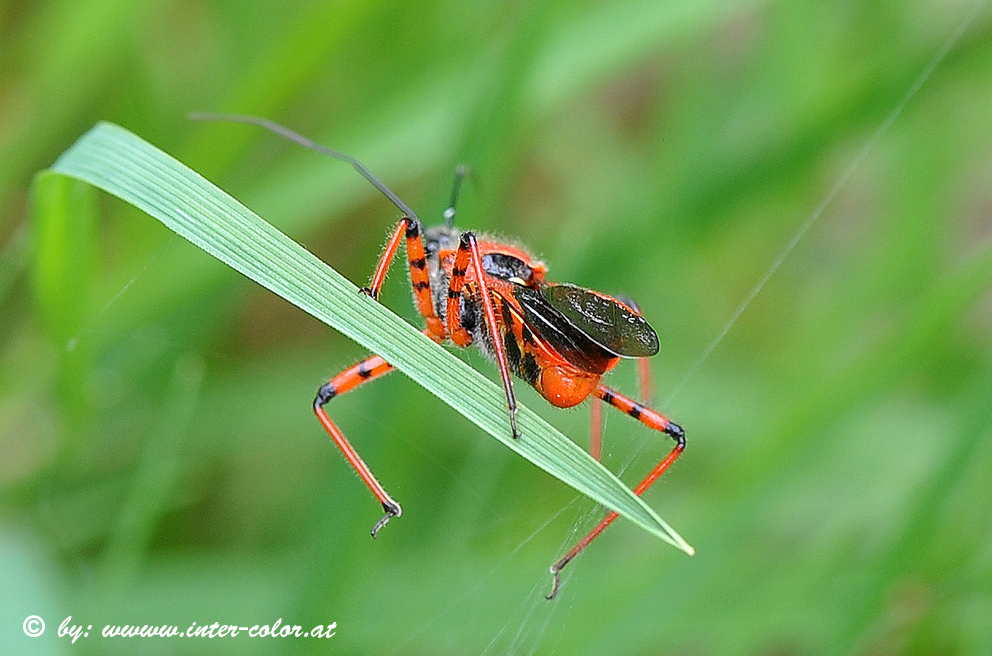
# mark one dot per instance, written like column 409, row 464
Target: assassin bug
column 558, row 338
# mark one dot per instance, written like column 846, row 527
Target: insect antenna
column 449, row 212
column 299, row 139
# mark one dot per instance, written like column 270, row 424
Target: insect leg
column 596, row 407
column 366, row 370
column 649, row 418
column 643, row 370
column 386, row 259
column 596, row 428
column 418, row 273
column 468, row 255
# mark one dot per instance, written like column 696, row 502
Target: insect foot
column 392, row 510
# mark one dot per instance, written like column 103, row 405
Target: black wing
column 586, row 328
column 606, row 321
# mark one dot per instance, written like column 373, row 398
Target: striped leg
column 347, row 380
column 649, row 418
column 468, row 255
column 418, row 273
column 596, row 406
column 596, row 409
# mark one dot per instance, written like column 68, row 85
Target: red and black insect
column 474, row 290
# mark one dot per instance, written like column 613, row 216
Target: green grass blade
column 124, row 165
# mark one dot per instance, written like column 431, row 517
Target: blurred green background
column 160, row 461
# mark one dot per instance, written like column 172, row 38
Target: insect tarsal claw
column 392, row 510
column 555, row 569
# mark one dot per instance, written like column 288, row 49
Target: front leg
column 366, row 370
column 468, row 255
column 411, row 229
